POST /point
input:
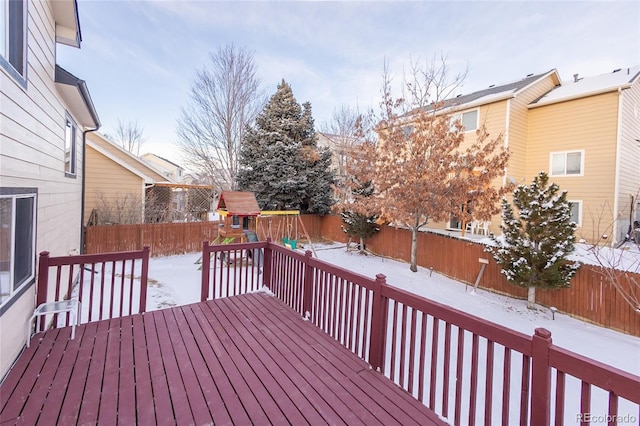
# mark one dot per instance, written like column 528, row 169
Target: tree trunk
column 531, row 298
column 362, row 246
column 414, row 250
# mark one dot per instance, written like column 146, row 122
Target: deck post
column 43, row 281
column 378, row 324
column 540, row 378
column 266, row 269
column 206, row 268
column 307, row 285
column 143, row 279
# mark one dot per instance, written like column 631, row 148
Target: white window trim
column 15, row 293
column 458, row 116
column 579, row 203
column 551, row 154
column 73, row 149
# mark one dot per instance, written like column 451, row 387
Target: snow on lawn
column 175, row 280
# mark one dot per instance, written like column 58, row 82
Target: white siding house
column 44, row 111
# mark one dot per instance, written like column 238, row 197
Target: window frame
column 16, row 292
column 579, row 204
column 73, row 162
column 460, row 116
column 7, row 50
column 565, row 153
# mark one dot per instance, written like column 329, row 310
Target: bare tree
column 130, row 136
column 225, row 97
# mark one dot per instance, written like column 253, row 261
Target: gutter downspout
column 84, row 174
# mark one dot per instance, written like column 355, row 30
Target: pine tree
column 356, row 222
column 533, row 252
column 280, row 160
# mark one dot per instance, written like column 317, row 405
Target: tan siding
column 108, row 181
column 588, row 124
column 31, row 155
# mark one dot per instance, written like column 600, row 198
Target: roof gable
column 239, row 203
column 589, row 86
column 125, row 159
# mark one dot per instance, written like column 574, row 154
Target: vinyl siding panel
column 629, row 158
column 108, row 182
column 588, row 124
column 32, row 123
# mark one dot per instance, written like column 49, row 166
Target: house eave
column 579, row 95
column 75, row 94
column 67, row 21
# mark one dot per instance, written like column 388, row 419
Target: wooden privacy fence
column 591, row 296
column 466, row 369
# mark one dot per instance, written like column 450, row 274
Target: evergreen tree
column 357, row 223
column 533, row 252
column 280, row 160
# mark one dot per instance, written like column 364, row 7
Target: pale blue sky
column 139, row 57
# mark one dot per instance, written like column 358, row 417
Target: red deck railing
column 105, row 284
column 466, row 369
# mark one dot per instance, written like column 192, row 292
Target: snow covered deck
column 237, row 360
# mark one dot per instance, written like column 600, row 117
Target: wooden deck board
column 241, row 360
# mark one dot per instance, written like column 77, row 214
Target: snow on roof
column 588, row 86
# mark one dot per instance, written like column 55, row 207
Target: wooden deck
column 246, row 359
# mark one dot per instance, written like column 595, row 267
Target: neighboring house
column 116, row 183
column 503, row 109
column 44, row 112
column 585, row 134
column 341, row 147
column 172, row 170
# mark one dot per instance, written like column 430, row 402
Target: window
column 576, row 212
column 17, row 241
column 13, row 37
column 469, row 120
column 70, row 148
column 569, row 163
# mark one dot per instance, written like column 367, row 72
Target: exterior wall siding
column 108, row 182
column 588, row 124
column 629, row 159
column 32, row 122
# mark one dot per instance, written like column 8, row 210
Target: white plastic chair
column 484, row 228
column 472, row 227
column 71, row 305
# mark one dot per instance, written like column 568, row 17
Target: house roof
column 163, row 159
column 589, row 86
column 125, row 159
column 239, row 203
column 65, row 14
column 75, row 94
column 493, row 93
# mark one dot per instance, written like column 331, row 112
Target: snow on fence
column 466, row 369
column 104, row 284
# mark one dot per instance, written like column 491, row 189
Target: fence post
column 378, row 324
column 43, row 281
column 540, row 378
column 206, row 268
column 143, row 279
column 307, row 285
column 266, row 269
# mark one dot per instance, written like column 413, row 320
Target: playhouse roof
column 239, row 203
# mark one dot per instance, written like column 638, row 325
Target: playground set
column 241, row 220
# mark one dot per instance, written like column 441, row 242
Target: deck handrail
column 88, row 262
column 394, row 330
